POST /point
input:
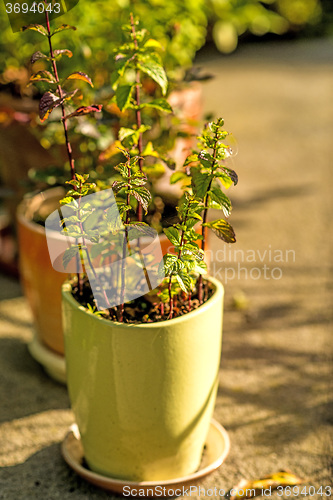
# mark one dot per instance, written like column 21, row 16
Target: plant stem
column 123, row 264
column 178, row 257
column 138, row 111
column 61, row 94
column 170, row 299
column 64, row 123
column 204, row 219
column 190, row 302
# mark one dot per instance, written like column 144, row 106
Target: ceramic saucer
column 53, row 363
column 216, row 450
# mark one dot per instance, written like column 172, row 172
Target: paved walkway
column 276, row 370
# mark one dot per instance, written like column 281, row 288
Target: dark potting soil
column 143, row 309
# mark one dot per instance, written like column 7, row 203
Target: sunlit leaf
column 36, row 27
column 173, row 235
column 223, row 230
column 43, row 76
column 79, row 75
column 232, row 174
column 142, row 195
column 151, row 43
column 62, row 52
column 62, row 28
column 160, row 104
column 221, row 200
column 177, row 176
column 152, row 68
column 150, row 151
column 191, row 158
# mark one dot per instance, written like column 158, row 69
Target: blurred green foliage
column 180, row 26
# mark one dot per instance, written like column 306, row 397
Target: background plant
column 181, row 28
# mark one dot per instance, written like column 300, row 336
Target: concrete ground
column 275, row 395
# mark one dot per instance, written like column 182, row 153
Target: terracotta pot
column 143, row 395
column 41, row 283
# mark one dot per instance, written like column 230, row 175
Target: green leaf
column 113, row 219
column 178, row 176
column 123, row 96
column 43, row 76
column 150, row 151
column 184, row 281
column 190, row 159
column 223, row 230
column 155, row 71
column 142, row 195
column 69, row 200
column 224, row 178
column 154, row 171
column 36, row 27
column 92, row 220
column 62, row 28
column 139, row 230
column 221, row 200
column 151, row 43
column 69, row 254
column 232, row 174
column 124, row 133
column 169, row 261
column 173, row 235
column 160, row 104
column 121, row 64
column 79, row 75
column 200, row 182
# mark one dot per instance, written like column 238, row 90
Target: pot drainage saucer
column 53, row 363
column 216, row 450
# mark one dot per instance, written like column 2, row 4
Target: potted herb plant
column 42, row 284
column 142, row 375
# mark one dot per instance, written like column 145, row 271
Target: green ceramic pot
column 143, row 395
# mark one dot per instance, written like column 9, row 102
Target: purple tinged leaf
column 63, row 52
column 49, row 101
column 232, row 174
column 85, row 110
column 36, row 56
column 46, row 105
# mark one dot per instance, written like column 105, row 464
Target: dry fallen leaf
column 250, row 489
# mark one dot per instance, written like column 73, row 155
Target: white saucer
column 53, row 363
column 216, row 450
